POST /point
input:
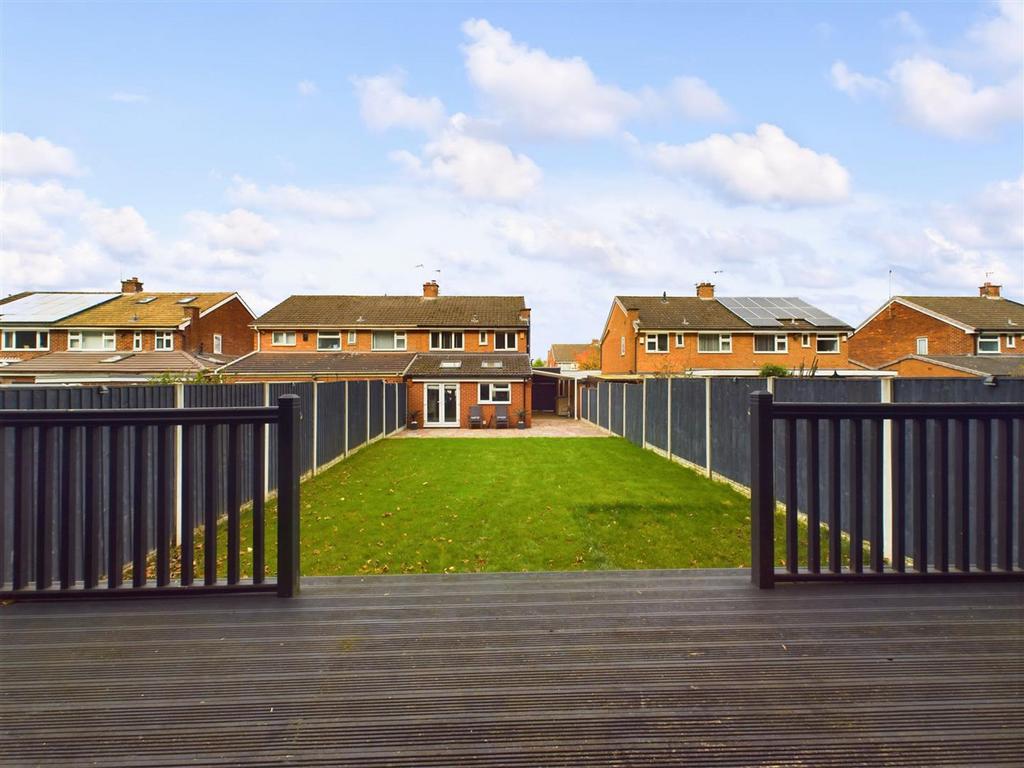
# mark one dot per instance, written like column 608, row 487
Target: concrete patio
column 544, row 425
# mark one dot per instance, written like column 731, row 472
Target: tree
column 770, row 370
column 538, row 363
column 590, row 360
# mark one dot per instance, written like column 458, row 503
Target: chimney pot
column 705, row 290
column 131, row 285
column 989, row 291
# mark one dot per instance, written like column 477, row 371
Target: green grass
column 455, row 505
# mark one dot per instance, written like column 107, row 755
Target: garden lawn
column 454, row 505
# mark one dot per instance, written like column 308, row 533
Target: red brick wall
column 922, row 370
column 522, row 399
column 231, row 321
column 619, row 325
column 893, row 333
column 415, row 340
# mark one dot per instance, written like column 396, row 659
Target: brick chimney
column 131, row 285
column 989, row 291
column 430, row 290
column 192, row 337
column 524, row 314
column 705, row 291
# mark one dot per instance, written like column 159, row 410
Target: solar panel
column 769, row 311
column 50, row 307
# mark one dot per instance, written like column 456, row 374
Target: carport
column 557, row 391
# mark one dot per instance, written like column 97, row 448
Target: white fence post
column 885, row 385
column 367, row 412
column 707, row 425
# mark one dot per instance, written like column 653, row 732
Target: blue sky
column 566, row 152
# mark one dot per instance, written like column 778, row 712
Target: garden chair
column 501, row 417
column 476, row 418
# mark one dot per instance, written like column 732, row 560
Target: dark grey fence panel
column 403, row 404
column 657, row 413
column 357, row 405
column 689, row 420
column 330, row 421
column 592, row 396
column 634, row 425
column 827, row 390
column 616, row 395
column 376, row 408
column 304, row 389
column 961, row 390
column 730, row 433
column 603, row 396
column 390, row 400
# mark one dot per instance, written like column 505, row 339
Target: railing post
column 288, row 470
column 762, row 491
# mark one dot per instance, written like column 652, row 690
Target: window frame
column 989, row 337
column 168, row 338
column 622, row 346
column 328, row 335
column 775, row 337
column 919, row 347
column 137, row 341
column 79, row 336
column 724, row 344
column 396, row 336
column 805, row 340
column 826, row 337
column 506, row 386
column 504, row 336
column 680, row 340
column 15, row 331
column 218, row 344
column 275, row 343
column 657, row 337
column 353, row 338
column 481, row 339
column 1011, row 341
column 442, row 348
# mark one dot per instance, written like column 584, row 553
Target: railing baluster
column 211, row 472
column 813, row 499
column 1018, row 497
column 234, row 502
column 69, row 483
column 940, row 478
column 140, row 502
column 115, row 510
column 93, row 505
column 22, row 527
column 45, row 502
column 899, row 500
column 164, row 499
column 959, row 495
column 919, row 496
column 5, row 477
column 792, row 509
column 856, row 457
column 982, row 495
column 835, row 521
column 188, row 503
column 875, row 487
column 1001, row 498
column 258, row 530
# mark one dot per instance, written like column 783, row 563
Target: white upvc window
column 388, row 341
column 352, row 337
column 805, row 340
column 657, row 343
column 163, row 340
column 218, row 344
column 92, row 341
column 714, row 342
column 680, row 340
column 506, row 340
column 1011, row 342
column 482, row 339
column 283, row 338
column 31, row 341
column 137, row 341
column 328, row 341
column 774, row 344
column 921, row 345
column 448, row 340
column 494, row 393
column 827, row 344
column 988, row 344
column 622, row 346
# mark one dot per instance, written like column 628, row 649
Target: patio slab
column 544, row 425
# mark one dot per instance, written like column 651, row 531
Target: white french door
column 441, row 405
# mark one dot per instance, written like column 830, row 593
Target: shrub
column 769, row 370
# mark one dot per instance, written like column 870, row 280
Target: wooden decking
column 551, row 669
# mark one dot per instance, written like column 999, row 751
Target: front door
column 442, row 405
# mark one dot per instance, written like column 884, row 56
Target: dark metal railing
column 94, row 492
column 933, row 491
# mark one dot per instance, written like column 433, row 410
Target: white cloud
column 121, row 230
column 290, row 199
column 239, row 229
column 1000, row 38
column 855, row 84
column 765, row 167
column 949, row 103
column 383, row 104
column 307, row 88
column 698, row 100
column 21, row 156
column 129, row 97
column 908, row 25
column 475, row 167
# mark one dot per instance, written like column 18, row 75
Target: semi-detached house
column 454, row 352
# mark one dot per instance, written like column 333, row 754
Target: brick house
column 574, row 357
column 454, row 352
column 943, row 335
column 126, row 336
column 705, row 335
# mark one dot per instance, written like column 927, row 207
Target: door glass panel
column 433, row 405
column 451, row 413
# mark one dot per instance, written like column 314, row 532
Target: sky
column 566, row 152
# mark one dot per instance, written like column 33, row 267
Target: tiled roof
column 133, row 310
column 692, row 313
column 567, row 353
column 394, row 311
column 470, row 366
column 981, row 313
column 321, row 363
column 121, row 362
column 983, row 365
